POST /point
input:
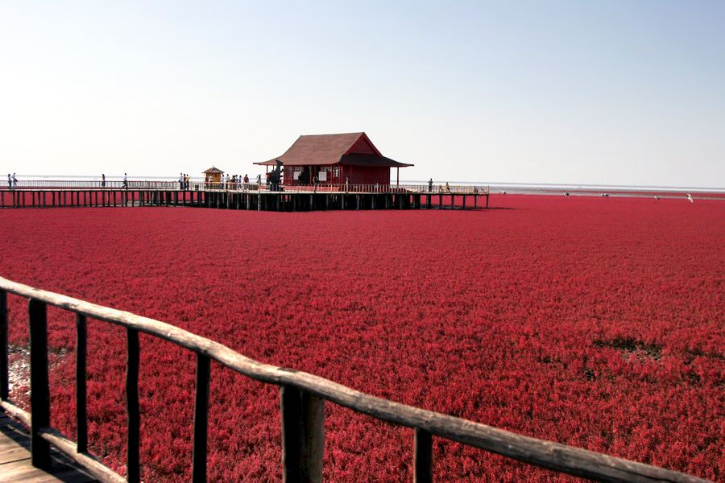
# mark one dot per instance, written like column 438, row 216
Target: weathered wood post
column 39, row 388
column 81, row 415
column 201, row 412
column 132, row 407
column 423, row 456
column 4, row 380
column 303, row 435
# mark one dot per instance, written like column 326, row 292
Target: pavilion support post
column 486, row 201
column 397, row 176
column 440, row 201
column 464, row 202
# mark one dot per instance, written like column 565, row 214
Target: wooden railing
column 303, row 397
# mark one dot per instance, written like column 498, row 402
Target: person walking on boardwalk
column 430, row 185
column 15, row 182
column 246, row 182
column 103, row 180
column 125, row 180
column 181, row 181
column 10, row 182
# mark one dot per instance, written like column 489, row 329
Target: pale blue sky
column 607, row 92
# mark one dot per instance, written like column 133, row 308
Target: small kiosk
column 213, row 175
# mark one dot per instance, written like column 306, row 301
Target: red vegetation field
column 588, row 321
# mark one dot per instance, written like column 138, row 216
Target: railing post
column 39, row 389
column 201, row 414
column 303, row 435
column 423, row 456
column 132, row 471
column 4, row 381
column 81, row 415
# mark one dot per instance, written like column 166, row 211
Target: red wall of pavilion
column 366, row 175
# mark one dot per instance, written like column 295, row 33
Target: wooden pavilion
column 349, row 158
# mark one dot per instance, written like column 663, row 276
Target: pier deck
column 15, row 459
column 236, row 197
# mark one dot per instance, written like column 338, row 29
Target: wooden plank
column 39, row 387
column 423, row 457
column 201, row 409
column 555, row 456
column 132, row 407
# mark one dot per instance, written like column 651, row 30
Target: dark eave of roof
column 371, row 160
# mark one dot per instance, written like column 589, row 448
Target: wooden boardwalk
column 15, row 459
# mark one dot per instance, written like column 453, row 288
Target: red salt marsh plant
column 592, row 322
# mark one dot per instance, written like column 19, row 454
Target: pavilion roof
column 327, row 149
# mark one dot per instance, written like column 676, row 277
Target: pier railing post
column 201, row 412
column 133, row 474
column 4, row 381
column 423, row 457
column 303, row 435
column 39, row 388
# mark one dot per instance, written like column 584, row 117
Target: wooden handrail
column 314, row 390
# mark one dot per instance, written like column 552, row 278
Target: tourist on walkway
column 125, row 180
column 246, row 182
column 103, row 180
column 430, row 185
column 10, row 182
column 15, row 182
column 181, row 181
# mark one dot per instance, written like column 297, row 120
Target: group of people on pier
column 184, row 181
column 12, row 181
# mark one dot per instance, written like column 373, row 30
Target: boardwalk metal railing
column 303, row 397
column 436, row 189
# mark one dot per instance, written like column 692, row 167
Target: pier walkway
column 15, row 459
column 243, row 196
